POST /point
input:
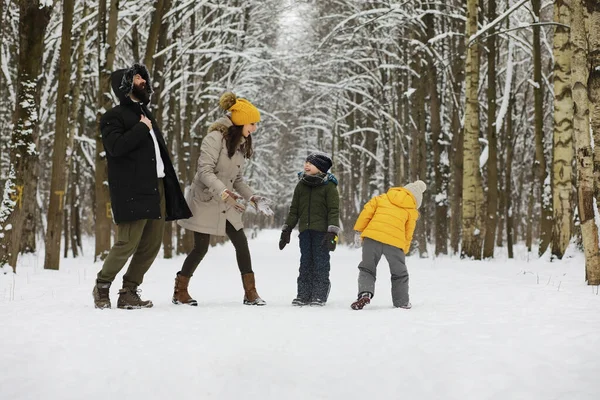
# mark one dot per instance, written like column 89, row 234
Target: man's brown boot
column 129, row 299
column 180, row 294
column 101, row 295
column 251, row 296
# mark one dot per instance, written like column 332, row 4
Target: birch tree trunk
column 581, row 134
column 472, row 205
column 562, row 170
column 106, row 57
column 594, row 87
column 61, row 137
column 492, row 163
column 33, row 20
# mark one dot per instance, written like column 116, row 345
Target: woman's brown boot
column 251, row 297
column 181, row 295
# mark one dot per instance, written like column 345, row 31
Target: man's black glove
column 330, row 240
column 284, row 239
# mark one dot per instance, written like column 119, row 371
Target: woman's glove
column 261, row 204
column 330, row 240
column 231, row 198
column 284, row 239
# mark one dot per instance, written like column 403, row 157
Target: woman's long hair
column 233, row 139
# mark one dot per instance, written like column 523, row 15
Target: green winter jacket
column 315, row 205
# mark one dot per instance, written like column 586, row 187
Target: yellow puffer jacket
column 390, row 218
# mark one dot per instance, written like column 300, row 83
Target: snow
column 507, row 88
column 533, row 83
column 496, row 21
column 441, row 198
column 442, row 36
column 262, row 205
column 409, row 92
column 501, row 329
column 483, row 157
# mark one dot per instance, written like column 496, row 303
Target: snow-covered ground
column 502, row 329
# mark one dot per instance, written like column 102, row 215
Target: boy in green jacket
column 315, row 208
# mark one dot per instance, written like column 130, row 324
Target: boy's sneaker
column 317, row 303
column 363, row 299
column 406, row 306
column 298, row 302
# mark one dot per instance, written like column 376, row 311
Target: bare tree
column 540, row 165
column 33, row 20
column 472, row 206
column 581, row 132
column 60, row 164
column 491, row 217
column 562, row 170
column 153, row 35
column 106, row 58
column 594, row 87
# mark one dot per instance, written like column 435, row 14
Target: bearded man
column 144, row 189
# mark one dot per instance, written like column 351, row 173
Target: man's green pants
column 142, row 239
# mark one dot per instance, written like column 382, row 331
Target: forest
column 494, row 104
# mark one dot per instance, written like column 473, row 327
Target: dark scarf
column 314, row 180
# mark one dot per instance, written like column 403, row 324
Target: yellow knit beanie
column 242, row 111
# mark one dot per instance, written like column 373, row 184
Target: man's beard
column 140, row 93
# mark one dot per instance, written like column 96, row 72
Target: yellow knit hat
column 242, row 111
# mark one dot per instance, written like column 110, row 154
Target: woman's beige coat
column 216, row 172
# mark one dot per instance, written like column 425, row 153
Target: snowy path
column 478, row 330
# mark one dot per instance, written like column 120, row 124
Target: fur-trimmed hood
column 221, row 125
column 122, row 80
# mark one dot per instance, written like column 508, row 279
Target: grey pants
column 142, row 239
column 372, row 251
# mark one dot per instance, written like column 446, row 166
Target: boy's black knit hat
column 321, row 161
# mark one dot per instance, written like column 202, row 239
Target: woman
column 212, row 197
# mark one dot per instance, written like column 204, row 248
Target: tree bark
column 107, row 43
column 75, row 117
column 74, row 225
column 457, row 145
column 540, row 165
column 593, row 9
column 158, row 98
column 60, row 163
column 33, row 20
column 135, row 43
column 440, row 190
column 188, row 163
column 492, row 163
column 155, row 26
column 581, row 133
column 508, row 178
column 562, row 170
column 417, row 146
column 472, row 206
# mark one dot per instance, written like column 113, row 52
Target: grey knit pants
column 372, row 251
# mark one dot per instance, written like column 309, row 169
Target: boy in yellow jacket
column 387, row 223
